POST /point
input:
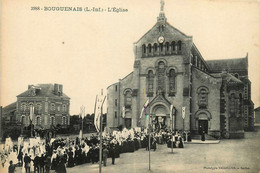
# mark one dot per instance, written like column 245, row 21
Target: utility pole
column 173, row 113
column 82, row 108
column 100, row 133
column 31, row 117
column 149, row 129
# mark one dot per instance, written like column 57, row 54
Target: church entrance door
column 159, row 122
column 203, row 126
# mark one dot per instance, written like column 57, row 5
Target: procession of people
column 38, row 155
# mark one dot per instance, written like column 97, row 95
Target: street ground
column 235, row 155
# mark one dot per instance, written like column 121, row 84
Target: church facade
column 179, row 89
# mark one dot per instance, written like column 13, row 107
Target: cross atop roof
column 162, row 5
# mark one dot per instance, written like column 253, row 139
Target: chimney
column 56, row 88
column 61, row 89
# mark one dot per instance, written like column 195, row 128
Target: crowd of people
column 57, row 154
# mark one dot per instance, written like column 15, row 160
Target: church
column 174, row 87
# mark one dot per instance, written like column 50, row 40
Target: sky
column 88, row 51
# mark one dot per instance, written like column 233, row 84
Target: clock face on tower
column 161, row 39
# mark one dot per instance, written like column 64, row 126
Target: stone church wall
column 212, row 105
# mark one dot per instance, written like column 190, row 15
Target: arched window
column 155, row 47
column 172, row 76
column 30, row 106
column 203, row 97
column 150, row 80
column 232, row 104
column 53, row 107
column 149, row 48
column 167, row 46
column 161, row 76
column 63, row 121
column 38, row 121
column 64, row 108
column 23, row 120
column 23, row 106
column 173, row 45
column 144, row 48
column 128, row 99
column 38, row 106
column 52, row 120
column 179, row 45
column 161, row 28
column 161, row 47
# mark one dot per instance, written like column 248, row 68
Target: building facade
column 169, row 71
column 9, row 113
column 47, row 104
column 257, row 116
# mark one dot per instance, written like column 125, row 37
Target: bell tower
column 161, row 18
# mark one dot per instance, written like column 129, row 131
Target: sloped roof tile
column 46, row 90
column 228, row 64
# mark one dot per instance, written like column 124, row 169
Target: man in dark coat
column 203, row 136
column 113, row 153
column 61, row 168
column 11, row 167
column 71, row 159
column 47, row 162
column 20, row 157
column 36, row 163
column 41, row 163
column 27, row 162
column 189, row 137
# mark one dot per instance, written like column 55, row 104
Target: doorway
column 203, row 126
column 128, row 123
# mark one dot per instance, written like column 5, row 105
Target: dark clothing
column 189, row 137
column 41, row 163
column 71, row 159
column 61, row 165
column 36, row 164
column 181, row 144
column 27, row 161
column 47, row 162
column 171, row 144
column 203, row 136
column 11, row 168
column 113, row 154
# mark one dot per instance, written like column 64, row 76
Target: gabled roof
column 159, row 98
column 127, row 75
column 166, row 24
column 9, row 108
column 228, row 64
column 46, row 90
